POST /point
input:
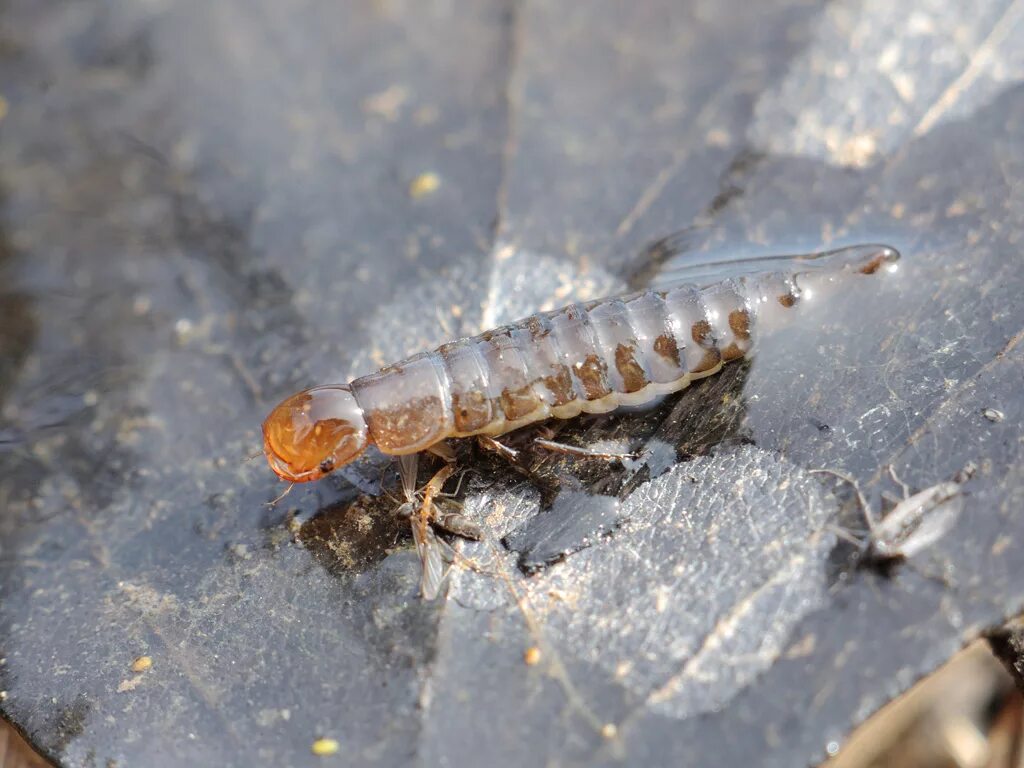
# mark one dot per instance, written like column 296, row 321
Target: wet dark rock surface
column 205, row 206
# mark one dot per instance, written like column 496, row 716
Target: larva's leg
column 492, row 445
column 284, row 493
column 443, row 451
column 575, row 450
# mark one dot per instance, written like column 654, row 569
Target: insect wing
column 407, row 467
column 435, row 556
column 936, row 522
column 911, row 514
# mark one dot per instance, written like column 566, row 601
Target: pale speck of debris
column 426, row 115
column 129, row 685
column 388, row 103
column 993, row 415
column 958, row 208
column 325, row 747
column 858, row 150
column 424, row 184
column 183, row 329
column 505, row 252
column 1001, row 545
column 717, row 137
column 661, row 598
column 141, row 305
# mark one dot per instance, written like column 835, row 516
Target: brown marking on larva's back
column 665, row 345
column 507, row 363
column 560, row 386
column 406, row 424
column 872, row 266
column 591, row 374
column 472, row 411
column 518, row 403
column 712, row 357
column 739, row 322
column 787, row 300
column 634, row 378
column 731, row 352
column 701, row 333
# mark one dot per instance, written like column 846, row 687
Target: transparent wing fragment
column 436, row 557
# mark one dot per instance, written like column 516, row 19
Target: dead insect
column 913, row 524
column 426, row 508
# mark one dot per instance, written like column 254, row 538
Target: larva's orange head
column 314, row 432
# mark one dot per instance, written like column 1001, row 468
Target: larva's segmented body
column 589, row 358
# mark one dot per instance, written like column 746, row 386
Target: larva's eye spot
column 314, row 432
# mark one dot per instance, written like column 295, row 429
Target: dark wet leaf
column 206, row 206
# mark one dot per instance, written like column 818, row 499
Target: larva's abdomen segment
column 617, row 344
column 573, row 334
column 582, row 358
column 406, row 406
column 728, row 313
column 472, row 407
column 510, row 379
column 658, row 348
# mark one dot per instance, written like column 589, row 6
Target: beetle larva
column 591, row 357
